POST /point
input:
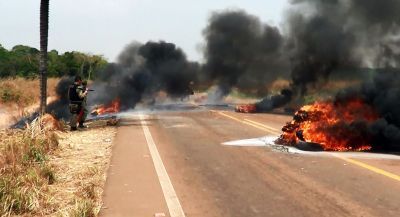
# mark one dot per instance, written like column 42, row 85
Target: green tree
column 97, row 63
column 24, row 50
column 57, row 67
column 4, row 62
column 25, row 60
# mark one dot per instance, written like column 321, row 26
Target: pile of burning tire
column 248, row 108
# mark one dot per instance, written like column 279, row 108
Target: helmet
column 78, row 78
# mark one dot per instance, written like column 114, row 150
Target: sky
column 105, row 27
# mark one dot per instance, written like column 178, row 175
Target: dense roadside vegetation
column 23, row 61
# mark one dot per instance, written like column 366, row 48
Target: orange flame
column 113, row 107
column 248, row 108
column 338, row 126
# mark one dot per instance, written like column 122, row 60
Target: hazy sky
column 106, row 26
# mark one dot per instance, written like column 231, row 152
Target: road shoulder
column 132, row 186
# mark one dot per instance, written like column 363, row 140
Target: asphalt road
column 175, row 164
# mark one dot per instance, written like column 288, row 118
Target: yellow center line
column 274, row 131
column 369, row 167
column 246, row 122
column 263, row 125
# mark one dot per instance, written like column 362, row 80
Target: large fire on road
column 336, row 126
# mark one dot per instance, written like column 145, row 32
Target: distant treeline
column 23, row 61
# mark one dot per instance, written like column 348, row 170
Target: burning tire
column 331, row 127
column 249, row 108
column 309, row 146
column 113, row 107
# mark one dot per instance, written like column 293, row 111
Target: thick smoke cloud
column 242, row 52
column 60, row 108
column 341, row 34
column 325, row 37
column 144, row 70
column 319, row 39
column 320, row 46
column 383, row 94
column 141, row 72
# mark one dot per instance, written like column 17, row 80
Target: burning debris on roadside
column 358, row 119
column 113, row 107
column 246, row 108
column 335, row 126
column 336, row 38
column 267, row 104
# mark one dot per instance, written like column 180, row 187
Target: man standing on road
column 84, row 112
column 76, row 96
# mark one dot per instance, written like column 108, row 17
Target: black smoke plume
column 383, row 94
column 242, row 52
column 325, row 37
column 274, row 101
column 144, row 70
column 59, row 108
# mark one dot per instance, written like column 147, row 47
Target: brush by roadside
column 25, row 173
column 45, row 171
column 18, row 91
column 81, row 164
column 18, row 100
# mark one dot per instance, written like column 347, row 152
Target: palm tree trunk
column 44, row 31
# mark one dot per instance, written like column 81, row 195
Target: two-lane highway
column 211, row 179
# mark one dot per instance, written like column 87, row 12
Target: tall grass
column 83, row 208
column 87, row 196
column 25, row 173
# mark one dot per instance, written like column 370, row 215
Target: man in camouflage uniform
column 76, row 96
column 84, row 111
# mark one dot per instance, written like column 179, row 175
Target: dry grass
column 81, row 164
column 20, row 97
column 53, row 173
column 18, row 91
column 25, row 173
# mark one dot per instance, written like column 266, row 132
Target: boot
column 81, row 125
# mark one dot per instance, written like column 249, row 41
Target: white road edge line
column 174, row 206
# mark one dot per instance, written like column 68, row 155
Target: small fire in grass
column 113, row 107
column 335, row 126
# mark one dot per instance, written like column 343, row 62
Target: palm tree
column 44, row 32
